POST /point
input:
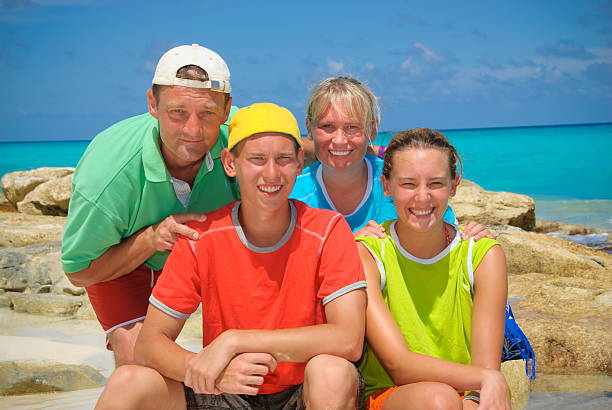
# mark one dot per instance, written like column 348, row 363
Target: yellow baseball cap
column 262, row 117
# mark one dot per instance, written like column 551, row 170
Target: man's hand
column 244, row 373
column 204, row 369
column 163, row 235
column 372, row 229
column 477, row 231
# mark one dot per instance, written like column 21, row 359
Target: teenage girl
column 436, row 302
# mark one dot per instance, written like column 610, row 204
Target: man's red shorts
column 123, row 301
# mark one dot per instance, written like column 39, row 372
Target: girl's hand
column 494, row 393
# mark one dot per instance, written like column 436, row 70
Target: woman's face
column 340, row 141
column 420, row 184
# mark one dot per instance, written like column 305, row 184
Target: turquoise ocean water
column 566, row 169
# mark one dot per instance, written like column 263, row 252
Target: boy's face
column 265, row 165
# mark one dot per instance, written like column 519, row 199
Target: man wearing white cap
column 139, row 182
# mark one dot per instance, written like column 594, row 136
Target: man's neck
column 264, row 228
column 183, row 170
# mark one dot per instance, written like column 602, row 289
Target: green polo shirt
column 121, row 185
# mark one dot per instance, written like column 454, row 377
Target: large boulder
column 17, row 229
column 5, row 205
column 49, row 198
column 473, row 203
column 567, row 320
column 528, row 252
column 25, row 377
column 518, row 382
column 35, row 268
column 45, row 304
column 16, row 185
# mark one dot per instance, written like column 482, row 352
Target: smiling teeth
column 414, row 211
column 341, row 153
column 270, row 189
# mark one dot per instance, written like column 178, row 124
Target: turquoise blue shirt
column 375, row 206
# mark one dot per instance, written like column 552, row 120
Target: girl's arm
column 404, row 366
column 488, row 314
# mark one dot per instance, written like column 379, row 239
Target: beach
column 560, row 291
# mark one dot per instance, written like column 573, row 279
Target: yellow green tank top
column 430, row 299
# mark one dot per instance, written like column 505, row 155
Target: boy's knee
column 128, row 386
column 332, row 377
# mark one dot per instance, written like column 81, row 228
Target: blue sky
column 71, row 68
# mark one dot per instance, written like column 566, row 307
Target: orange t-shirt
column 242, row 286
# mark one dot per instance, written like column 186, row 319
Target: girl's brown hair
column 421, row 138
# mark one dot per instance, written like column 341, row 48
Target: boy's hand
column 245, row 373
column 477, row 231
column 204, row 369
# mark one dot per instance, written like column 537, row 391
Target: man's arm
column 341, row 336
column 122, row 258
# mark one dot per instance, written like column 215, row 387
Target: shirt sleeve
column 89, row 232
column 480, row 249
column 340, row 269
column 177, row 291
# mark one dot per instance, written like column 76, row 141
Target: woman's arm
column 404, row 366
column 488, row 314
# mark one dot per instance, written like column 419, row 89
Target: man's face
column 189, row 121
column 265, row 165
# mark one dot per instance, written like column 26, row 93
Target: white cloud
column 410, row 67
column 335, row 66
column 369, row 66
column 428, row 53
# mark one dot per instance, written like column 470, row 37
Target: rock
column 24, row 377
column 567, row 320
column 4, row 299
column 528, row 252
column 16, row 185
column 18, row 229
column 565, row 228
column 30, row 266
column 518, row 382
column 45, row 304
column 86, row 311
column 49, row 198
column 5, row 205
column 472, row 203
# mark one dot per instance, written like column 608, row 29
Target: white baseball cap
column 209, row 61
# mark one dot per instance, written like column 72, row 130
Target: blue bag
column 517, row 346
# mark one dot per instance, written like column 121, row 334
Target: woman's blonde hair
column 356, row 98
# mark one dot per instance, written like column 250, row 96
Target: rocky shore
column 560, row 291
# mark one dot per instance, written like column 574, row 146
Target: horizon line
column 383, row 132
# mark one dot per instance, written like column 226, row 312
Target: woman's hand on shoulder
column 371, row 229
column 477, row 231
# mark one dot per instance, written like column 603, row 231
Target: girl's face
column 340, row 141
column 420, row 184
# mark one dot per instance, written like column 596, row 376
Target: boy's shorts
column 290, row 399
column 123, row 301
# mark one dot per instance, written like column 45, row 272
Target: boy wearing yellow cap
column 281, row 287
